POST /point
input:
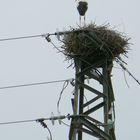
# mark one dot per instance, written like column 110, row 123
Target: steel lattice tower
column 102, row 101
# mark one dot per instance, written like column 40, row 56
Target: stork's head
column 82, row 7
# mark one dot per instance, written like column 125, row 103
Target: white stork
column 82, row 8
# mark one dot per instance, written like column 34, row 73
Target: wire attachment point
column 72, row 82
column 59, row 118
column 47, row 37
column 41, row 121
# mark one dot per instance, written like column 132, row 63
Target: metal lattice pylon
column 83, row 120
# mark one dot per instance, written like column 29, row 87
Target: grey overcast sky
column 35, row 60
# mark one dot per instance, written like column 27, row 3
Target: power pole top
column 93, row 49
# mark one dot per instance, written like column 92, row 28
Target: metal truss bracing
column 101, row 101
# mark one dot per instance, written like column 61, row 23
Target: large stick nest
column 93, row 43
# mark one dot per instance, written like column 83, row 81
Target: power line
column 53, row 118
column 34, row 84
column 25, row 37
column 41, row 121
column 125, row 69
column 22, row 37
column 60, row 96
column 17, row 122
column 32, row 36
column 38, row 35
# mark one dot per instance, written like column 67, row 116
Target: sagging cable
column 125, row 69
column 41, row 121
column 60, row 96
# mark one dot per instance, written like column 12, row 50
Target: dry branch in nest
column 92, row 43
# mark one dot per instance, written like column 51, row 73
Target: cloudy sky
column 35, row 60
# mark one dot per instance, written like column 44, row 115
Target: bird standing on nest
column 82, row 8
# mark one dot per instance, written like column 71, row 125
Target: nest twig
column 92, row 43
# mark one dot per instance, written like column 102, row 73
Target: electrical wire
column 65, row 124
column 33, row 84
column 34, row 120
column 29, row 36
column 35, row 36
column 57, row 48
column 125, row 69
column 17, row 122
column 63, row 88
column 61, row 117
column 41, row 120
column 43, row 124
column 125, row 78
column 50, row 41
column 23, row 37
column 49, row 132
